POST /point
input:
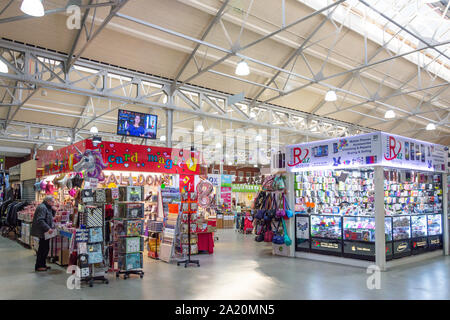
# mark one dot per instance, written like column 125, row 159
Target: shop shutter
column 28, row 192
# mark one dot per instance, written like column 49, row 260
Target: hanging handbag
column 277, row 237
column 289, row 213
column 287, row 240
column 280, row 213
column 272, row 210
column 259, row 237
column 268, row 183
column 260, row 211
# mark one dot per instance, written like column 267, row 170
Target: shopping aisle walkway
column 239, row 269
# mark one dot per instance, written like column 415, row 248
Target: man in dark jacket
column 42, row 223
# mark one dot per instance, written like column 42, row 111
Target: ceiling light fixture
column 242, row 69
column 200, row 128
column 218, row 145
column 94, row 130
column 32, row 8
column 431, row 126
column 330, row 96
column 252, row 114
column 3, row 67
column 50, row 148
column 390, row 114
column 162, row 138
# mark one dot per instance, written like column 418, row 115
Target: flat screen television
column 137, row 124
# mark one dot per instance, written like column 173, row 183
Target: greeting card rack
column 128, row 241
column 189, row 207
column 90, row 239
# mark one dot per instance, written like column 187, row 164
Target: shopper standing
column 42, row 223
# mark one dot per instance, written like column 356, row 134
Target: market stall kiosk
column 372, row 197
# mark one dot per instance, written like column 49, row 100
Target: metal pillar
column 380, row 240
column 445, row 218
column 169, row 128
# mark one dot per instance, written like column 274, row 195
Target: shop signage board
column 122, row 157
column 377, row 148
column 245, row 188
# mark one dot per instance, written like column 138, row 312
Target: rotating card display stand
column 91, row 235
column 189, row 206
column 127, row 234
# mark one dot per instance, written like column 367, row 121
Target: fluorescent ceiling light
column 252, row 114
column 218, row 145
column 330, row 96
column 162, row 138
column 3, row 67
column 431, row 126
column 33, row 8
column 50, row 148
column 258, row 138
column 242, row 69
column 230, row 163
column 94, row 130
column 200, row 128
column 390, row 114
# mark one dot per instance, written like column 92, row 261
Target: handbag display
column 131, row 193
column 100, row 195
column 95, row 253
column 131, row 210
column 87, row 195
column 93, row 217
column 95, row 235
column 131, row 245
column 81, row 235
column 130, row 261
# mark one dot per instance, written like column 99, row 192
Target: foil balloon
column 90, row 161
column 63, row 183
column 43, row 185
column 205, row 191
column 37, row 186
column 49, row 188
column 73, row 192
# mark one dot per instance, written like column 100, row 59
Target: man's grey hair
column 48, row 199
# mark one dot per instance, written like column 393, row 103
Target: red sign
column 299, row 156
column 60, row 161
column 123, row 157
column 393, row 149
column 130, row 157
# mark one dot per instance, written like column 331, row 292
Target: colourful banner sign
column 128, row 157
column 122, row 157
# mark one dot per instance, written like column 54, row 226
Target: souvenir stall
column 375, row 197
column 119, row 185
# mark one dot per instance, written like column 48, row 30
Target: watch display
column 401, row 227
column 326, row 227
column 434, row 224
column 419, row 226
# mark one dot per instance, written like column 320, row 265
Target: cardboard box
column 280, row 250
column 63, row 258
column 219, row 222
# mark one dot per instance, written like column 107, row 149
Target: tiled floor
column 240, row 268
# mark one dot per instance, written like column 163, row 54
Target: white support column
column 445, row 213
column 380, row 240
column 290, row 224
column 169, row 128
